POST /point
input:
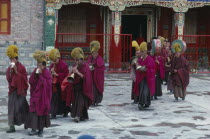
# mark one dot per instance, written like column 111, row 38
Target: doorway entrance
column 135, row 25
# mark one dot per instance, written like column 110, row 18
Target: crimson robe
column 149, row 75
column 68, row 88
column 17, row 82
column 98, row 72
column 61, row 69
column 160, row 68
column 183, row 69
column 40, row 92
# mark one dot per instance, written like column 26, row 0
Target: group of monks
column 54, row 91
column 154, row 64
column 59, row 91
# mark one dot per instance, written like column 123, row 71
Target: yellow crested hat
column 12, row 51
column 143, row 46
column 54, row 54
column 77, row 53
column 177, row 47
column 135, row 44
column 40, row 56
column 94, row 46
column 162, row 40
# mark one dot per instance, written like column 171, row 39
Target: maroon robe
column 181, row 78
column 149, row 75
column 98, row 72
column 61, row 69
column 68, row 88
column 58, row 106
column 17, row 82
column 160, row 68
column 41, row 92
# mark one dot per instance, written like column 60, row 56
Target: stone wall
column 27, row 23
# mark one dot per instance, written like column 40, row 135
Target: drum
column 182, row 44
column 156, row 46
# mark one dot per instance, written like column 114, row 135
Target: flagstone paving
column 118, row 118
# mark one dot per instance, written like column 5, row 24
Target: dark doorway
column 135, row 25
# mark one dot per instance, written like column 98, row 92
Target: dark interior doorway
column 135, row 25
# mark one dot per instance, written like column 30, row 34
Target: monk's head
column 78, row 61
column 138, row 53
column 55, row 61
column 14, row 59
column 143, row 54
column 41, row 65
column 94, row 54
column 168, row 44
column 177, row 54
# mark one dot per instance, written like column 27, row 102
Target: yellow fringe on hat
column 77, row 53
column 135, row 44
column 143, row 46
column 177, row 47
column 12, row 51
column 94, row 46
column 40, row 56
column 54, row 54
column 162, row 40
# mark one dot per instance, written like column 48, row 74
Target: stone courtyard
column 118, row 118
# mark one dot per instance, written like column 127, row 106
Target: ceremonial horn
column 71, row 77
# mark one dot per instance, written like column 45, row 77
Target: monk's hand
column 54, row 73
column 15, row 69
column 74, row 70
column 40, row 71
column 157, row 61
column 143, row 69
column 175, row 71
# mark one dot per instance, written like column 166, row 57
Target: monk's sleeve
column 43, row 91
column 67, row 92
column 162, row 68
column 20, row 81
column 184, row 73
column 88, row 84
column 62, row 75
column 151, row 75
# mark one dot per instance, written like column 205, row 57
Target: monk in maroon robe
column 80, row 87
column 179, row 73
column 133, row 62
column 97, row 67
column 145, row 78
column 18, row 84
column 168, row 69
column 40, row 96
column 59, row 70
column 160, row 74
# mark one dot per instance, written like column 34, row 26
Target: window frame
column 8, row 2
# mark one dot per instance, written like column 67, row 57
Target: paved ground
column 117, row 118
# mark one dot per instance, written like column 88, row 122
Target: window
column 4, row 17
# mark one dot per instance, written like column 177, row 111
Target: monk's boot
column 176, row 99
column 76, row 119
column 32, row 133
column 40, row 133
column 183, row 98
column 156, row 98
column 11, row 129
column 53, row 117
column 140, row 107
column 65, row 115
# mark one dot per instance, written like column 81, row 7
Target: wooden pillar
column 179, row 18
column 115, row 47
